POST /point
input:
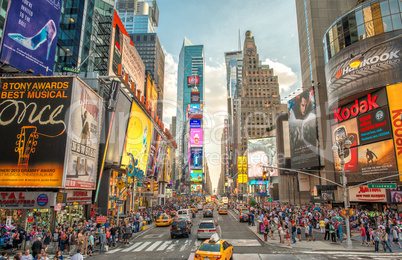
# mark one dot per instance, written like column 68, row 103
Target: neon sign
column 132, row 169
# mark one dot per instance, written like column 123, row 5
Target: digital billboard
column 374, row 126
column 346, row 129
column 303, row 130
column 196, row 175
column 83, row 138
column 396, row 195
column 30, row 35
column 193, row 81
column 196, row 136
column 34, row 116
column 395, row 109
column 138, row 138
column 196, row 158
column 195, row 123
column 377, row 157
column 153, row 149
column 261, row 152
column 195, row 97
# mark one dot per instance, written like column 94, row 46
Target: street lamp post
column 340, row 146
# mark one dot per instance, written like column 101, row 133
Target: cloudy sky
column 216, row 25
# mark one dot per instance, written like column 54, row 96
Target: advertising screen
column 374, row 126
column 33, row 122
column 195, row 97
column 152, row 93
column 196, row 136
column 196, row 158
column 196, row 175
column 30, row 35
column 83, row 137
column 153, row 149
column 350, row 157
column 395, row 107
column 396, row 196
column 193, row 81
column 195, row 123
column 195, row 109
column 303, row 130
column 377, row 157
column 346, row 128
column 260, row 153
column 138, row 137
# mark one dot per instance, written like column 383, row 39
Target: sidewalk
column 323, row 245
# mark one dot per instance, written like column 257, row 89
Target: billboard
column 138, row 138
column 195, row 109
column 196, row 136
column 396, row 195
column 152, row 93
column 365, row 194
column 153, row 149
column 261, row 152
column 377, row 157
column 196, row 175
column 30, row 35
column 34, row 116
column 125, row 61
column 195, row 123
column 195, row 97
column 193, row 81
column 196, row 158
column 375, row 126
column 303, row 130
column 395, row 109
column 83, row 138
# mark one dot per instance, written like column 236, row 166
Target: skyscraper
column 138, row 16
column 191, row 69
column 313, row 19
column 150, row 50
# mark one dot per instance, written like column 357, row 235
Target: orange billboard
column 395, row 110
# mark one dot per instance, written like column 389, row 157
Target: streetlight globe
column 335, row 148
column 348, row 143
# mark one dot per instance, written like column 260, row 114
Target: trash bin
column 143, row 225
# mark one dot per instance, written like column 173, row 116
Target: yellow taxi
column 195, row 209
column 214, row 248
column 163, row 221
column 223, row 210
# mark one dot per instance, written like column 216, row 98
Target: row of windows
column 370, row 19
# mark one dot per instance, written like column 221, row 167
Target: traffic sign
column 144, row 184
column 382, row 186
column 139, row 184
column 120, row 185
column 270, row 200
column 119, row 202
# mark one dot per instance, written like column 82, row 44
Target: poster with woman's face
column 261, row 153
column 396, row 196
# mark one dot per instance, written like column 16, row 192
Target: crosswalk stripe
column 132, row 247
column 186, row 243
column 141, row 247
column 164, row 245
column 170, row 248
column 113, row 250
column 153, row 246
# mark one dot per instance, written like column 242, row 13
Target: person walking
column 306, row 232
column 326, row 237
column 384, row 241
column 91, row 243
column 377, row 239
column 37, row 247
column 322, row 225
column 294, row 230
column 85, row 243
column 299, row 232
column 56, row 240
column 310, row 232
column 102, row 241
column 395, row 237
column 266, row 229
column 78, row 255
column 363, row 235
column 73, row 243
column 340, row 229
column 287, row 237
column 252, row 219
column 332, row 232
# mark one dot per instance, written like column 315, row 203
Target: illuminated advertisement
column 303, row 130
column 30, row 35
column 83, row 138
column 193, row 81
column 34, row 116
column 261, row 152
column 195, row 97
column 350, row 157
column 153, row 149
column 125, row 61
column 395, row 107
column 195, row 109
column 168, row 165
column 138, row 138
column 195, row 123
column 196, row 188
column 364, row 194
column 196, row 175
column 196, row 158
column 152, row 93
column 196, row 136
column 377, row 157
column 396, row 195
column 374, row 126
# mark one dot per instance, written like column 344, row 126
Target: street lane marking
column 244, row 242
column 132, row 247
column 170, row 248
column 113, row 250
column 186, row 243
column 153, row 246
column 163, row 246
column 191, row 256
column 141, row 247
column 231, row 214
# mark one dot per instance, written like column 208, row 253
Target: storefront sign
column 101, row 219
column 27, row 200
column 30, row 219
column 57, row 207
column 75, row 197
column 395, row 107
column 365, row 194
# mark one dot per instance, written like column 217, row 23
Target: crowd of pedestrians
column 287, row 223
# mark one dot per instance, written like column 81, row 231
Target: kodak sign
column 359, row 106
column 395, row 110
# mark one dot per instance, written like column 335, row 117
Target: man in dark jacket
column 36, row 247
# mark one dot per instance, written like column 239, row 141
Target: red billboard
column 193, row 81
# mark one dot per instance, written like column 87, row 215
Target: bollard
column 143, row 225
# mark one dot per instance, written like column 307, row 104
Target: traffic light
column 156, row 186
column 148, row 186
column 264, row 175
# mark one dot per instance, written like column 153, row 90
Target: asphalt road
column 157, row 244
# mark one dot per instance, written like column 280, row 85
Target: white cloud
column 170, row 89
column 286, row 76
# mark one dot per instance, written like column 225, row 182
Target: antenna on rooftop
column 239, row 42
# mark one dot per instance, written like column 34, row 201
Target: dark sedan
column 244, row 216
column 180, row 228
column 208, row 213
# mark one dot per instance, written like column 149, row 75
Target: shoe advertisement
column 83, row 137
column 34, row 114
column 30, row 35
